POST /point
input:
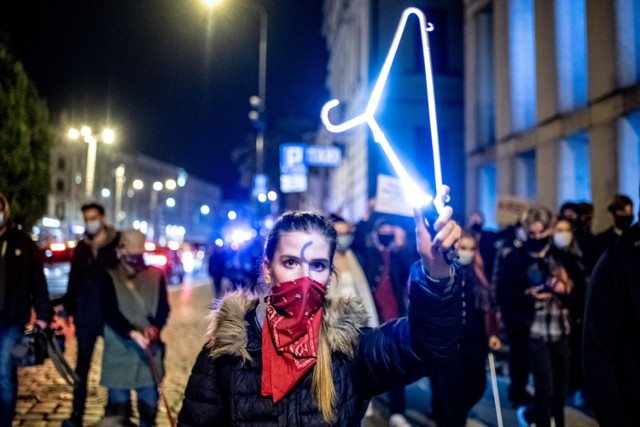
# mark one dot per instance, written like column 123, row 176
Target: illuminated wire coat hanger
column 412, row 190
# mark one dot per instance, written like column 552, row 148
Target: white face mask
column 465, row 256
column 344, row 241
column 562, row 239
column 93, row 227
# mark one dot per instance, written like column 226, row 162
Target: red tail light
column 58, row 247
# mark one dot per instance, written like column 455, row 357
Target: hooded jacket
column 225, row 384
column 86, row 280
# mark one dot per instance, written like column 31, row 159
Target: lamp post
column 107, row 137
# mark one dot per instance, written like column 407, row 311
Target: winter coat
column 225, row 384
column 86, row 280
column 611, row 342
column 124, row 363
column 25, row 283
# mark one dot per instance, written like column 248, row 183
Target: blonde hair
column 322, row 381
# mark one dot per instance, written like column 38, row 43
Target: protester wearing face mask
column 274, row 359
column 486, row 241
column 621, row 211
column 533, row 292
column 350, row 278
column 135, row 308
column 92, row 256
column 460, row 384
column 566, row 250
column 382, row 249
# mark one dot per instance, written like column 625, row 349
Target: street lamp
column 107, row 137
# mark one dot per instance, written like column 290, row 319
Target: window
column 571, row 38
column 60, row 186
column 485, row 97
column 487, row 194
column 61, row 163
column 629, row 156
column 526, row 175
column 522, row 64
column 574, row 171
column 628, row 41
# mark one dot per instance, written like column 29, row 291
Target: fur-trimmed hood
column 343, row 317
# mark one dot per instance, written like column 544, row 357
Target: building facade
column 552, row 102
column 138, row 191
column 359, row 34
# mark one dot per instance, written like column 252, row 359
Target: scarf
column 290, row 334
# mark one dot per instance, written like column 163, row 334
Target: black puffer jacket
column 225, row 385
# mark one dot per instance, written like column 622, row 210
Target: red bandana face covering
column 290, row 334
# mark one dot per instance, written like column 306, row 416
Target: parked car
column 168, row 260
column 57, row 264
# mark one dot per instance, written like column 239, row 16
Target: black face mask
column 623, row 222
column 476, row 227
column 135, row 262
column 385, row 239
column 534, row 246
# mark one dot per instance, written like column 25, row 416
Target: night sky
column 172, row 77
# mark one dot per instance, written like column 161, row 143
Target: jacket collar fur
column 343, row 317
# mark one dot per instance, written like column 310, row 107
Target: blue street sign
column 323, row 155
column 292, row 159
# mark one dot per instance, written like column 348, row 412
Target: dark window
column 60, row 210
column 60, row 186
column 61, row 163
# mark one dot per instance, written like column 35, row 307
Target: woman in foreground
column 291, row 357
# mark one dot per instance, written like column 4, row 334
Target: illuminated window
column 485, row 98
column 487, row 194
column 629, row 155
column 574, row 171
column 526, row 175
column 571, row 37
column 628, row 41
column 522, row 64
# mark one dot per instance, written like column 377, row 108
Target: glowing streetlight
column 232, row 215
column 272, row 196
column 211, row 3
column 157, row 186
column 170, row 202
column 204, row 210
column 170, row 184
column 106, row 192
column 138, row 184
column 262, row 197
column 108, row 137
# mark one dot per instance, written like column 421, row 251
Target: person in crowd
column 460, row 384
column 565, row 249
column 22, row 286
column 611, row 353
column 216, row 269
column 136, row 308
column 386, row 258
column 582, row 226
column 350, row 278
column 283, row 360
column 621, row 211
column 486, row 241
column 512, row 238
column 569, row 211
column 92, row 256
column 535, row 288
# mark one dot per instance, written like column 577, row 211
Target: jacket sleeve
column 69, row 298
column 202, row 404
column 162, row 312
column 404, row 350
column 39, row 290
column 603, row 339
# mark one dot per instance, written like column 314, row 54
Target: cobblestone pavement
column 45, row 400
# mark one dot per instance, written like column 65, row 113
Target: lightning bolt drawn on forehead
column 303, row 257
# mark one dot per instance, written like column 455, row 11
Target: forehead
column 563, row 225
column 298, row 243
column 467, row 242
column 536, row 227
column 91, row 213
column 342, row 227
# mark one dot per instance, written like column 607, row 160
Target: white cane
column 494, row 385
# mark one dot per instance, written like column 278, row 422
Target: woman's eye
column 317, row 266
column 290, row 263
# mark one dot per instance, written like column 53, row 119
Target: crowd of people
column 337, row 314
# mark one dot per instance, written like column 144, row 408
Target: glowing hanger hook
column 414, row 192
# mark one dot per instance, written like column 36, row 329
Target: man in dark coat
column 22, row 285
column 611, row 345
column 94, row 254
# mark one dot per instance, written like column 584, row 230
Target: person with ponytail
column 289, row 355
